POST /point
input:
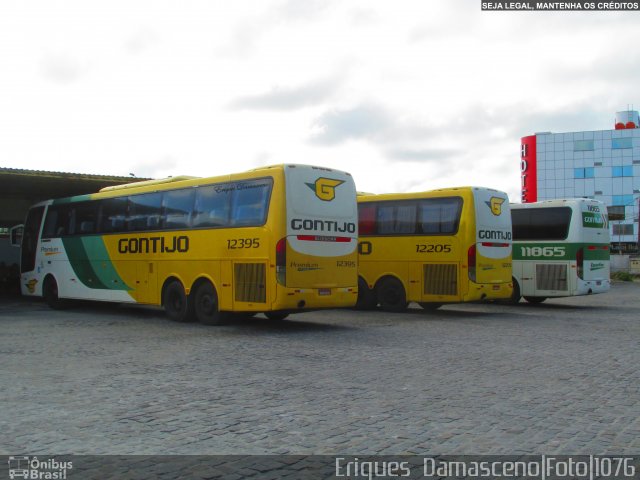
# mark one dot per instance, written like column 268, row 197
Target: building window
column 582, row 145
column 626, row 171
column 623, row 228
column 586, row 172
column 622, row 199
column 617, row 143
column 615, row 212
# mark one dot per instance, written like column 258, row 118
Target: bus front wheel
column 515, row 295
column 206, row 305
column 391, row 295
column 50, row 293
column 535, row 300
column 176, row 303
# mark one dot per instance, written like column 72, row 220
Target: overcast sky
column 405, row 95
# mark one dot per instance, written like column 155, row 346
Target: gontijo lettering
column 154, row 244
column 494, row 235
column 322, row 225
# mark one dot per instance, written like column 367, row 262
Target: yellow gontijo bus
column 276, row 240
column 443, row 246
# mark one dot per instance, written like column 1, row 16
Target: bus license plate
column 324, row 291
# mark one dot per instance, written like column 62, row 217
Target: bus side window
column 450, row 215
column 113, row 214
column 50, row 222
column 85, row 218
column 367, row 218
column 59, row 221
column 177, row 208
column 213, row 204
column 406, row 219
column 250, row 204
column 541, row 223
column 144, row 212
column 397, row 218
column 440, row 216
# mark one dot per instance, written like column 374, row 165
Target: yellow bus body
column 436, row 268
column 240, row 262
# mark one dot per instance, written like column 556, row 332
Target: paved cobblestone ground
column 556, row 378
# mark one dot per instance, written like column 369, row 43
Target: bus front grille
column 250, row 280
column 551, row 276
column 440, row 279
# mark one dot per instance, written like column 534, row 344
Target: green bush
column 622, row 276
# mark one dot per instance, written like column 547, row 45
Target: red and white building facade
column 602, row 164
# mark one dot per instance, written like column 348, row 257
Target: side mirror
column 15, row 234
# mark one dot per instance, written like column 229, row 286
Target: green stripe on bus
column 77, row 198
column 559, row 251
column 90, row 262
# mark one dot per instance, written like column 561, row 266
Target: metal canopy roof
column 21, row 188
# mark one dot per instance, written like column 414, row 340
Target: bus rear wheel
column 50, row 294
column 176, row 303
column 276, row 316
column 535, row 300
column 391, row 295
column 206, row 305
column 430, row 305
column 366, row 296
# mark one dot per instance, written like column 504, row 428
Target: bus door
column 30, row 236
column 147, row 282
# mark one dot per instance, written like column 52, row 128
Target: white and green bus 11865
column 560, row 249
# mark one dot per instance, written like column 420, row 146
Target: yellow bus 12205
column 444, row 246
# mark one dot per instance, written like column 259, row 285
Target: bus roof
column 557, row 202
column 147, row 183
column 427, row 193
column 182, row 181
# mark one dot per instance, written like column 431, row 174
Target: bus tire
column 176, row 303
column 391, row 295
column 515, row 295
column 206, row 305
column 50, row 293
column 276, row 316
column 366, row 296
column 430, row 306
column 535, row 300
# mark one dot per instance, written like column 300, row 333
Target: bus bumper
column 587, row 287
column 488, row 291
column 300, row 299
